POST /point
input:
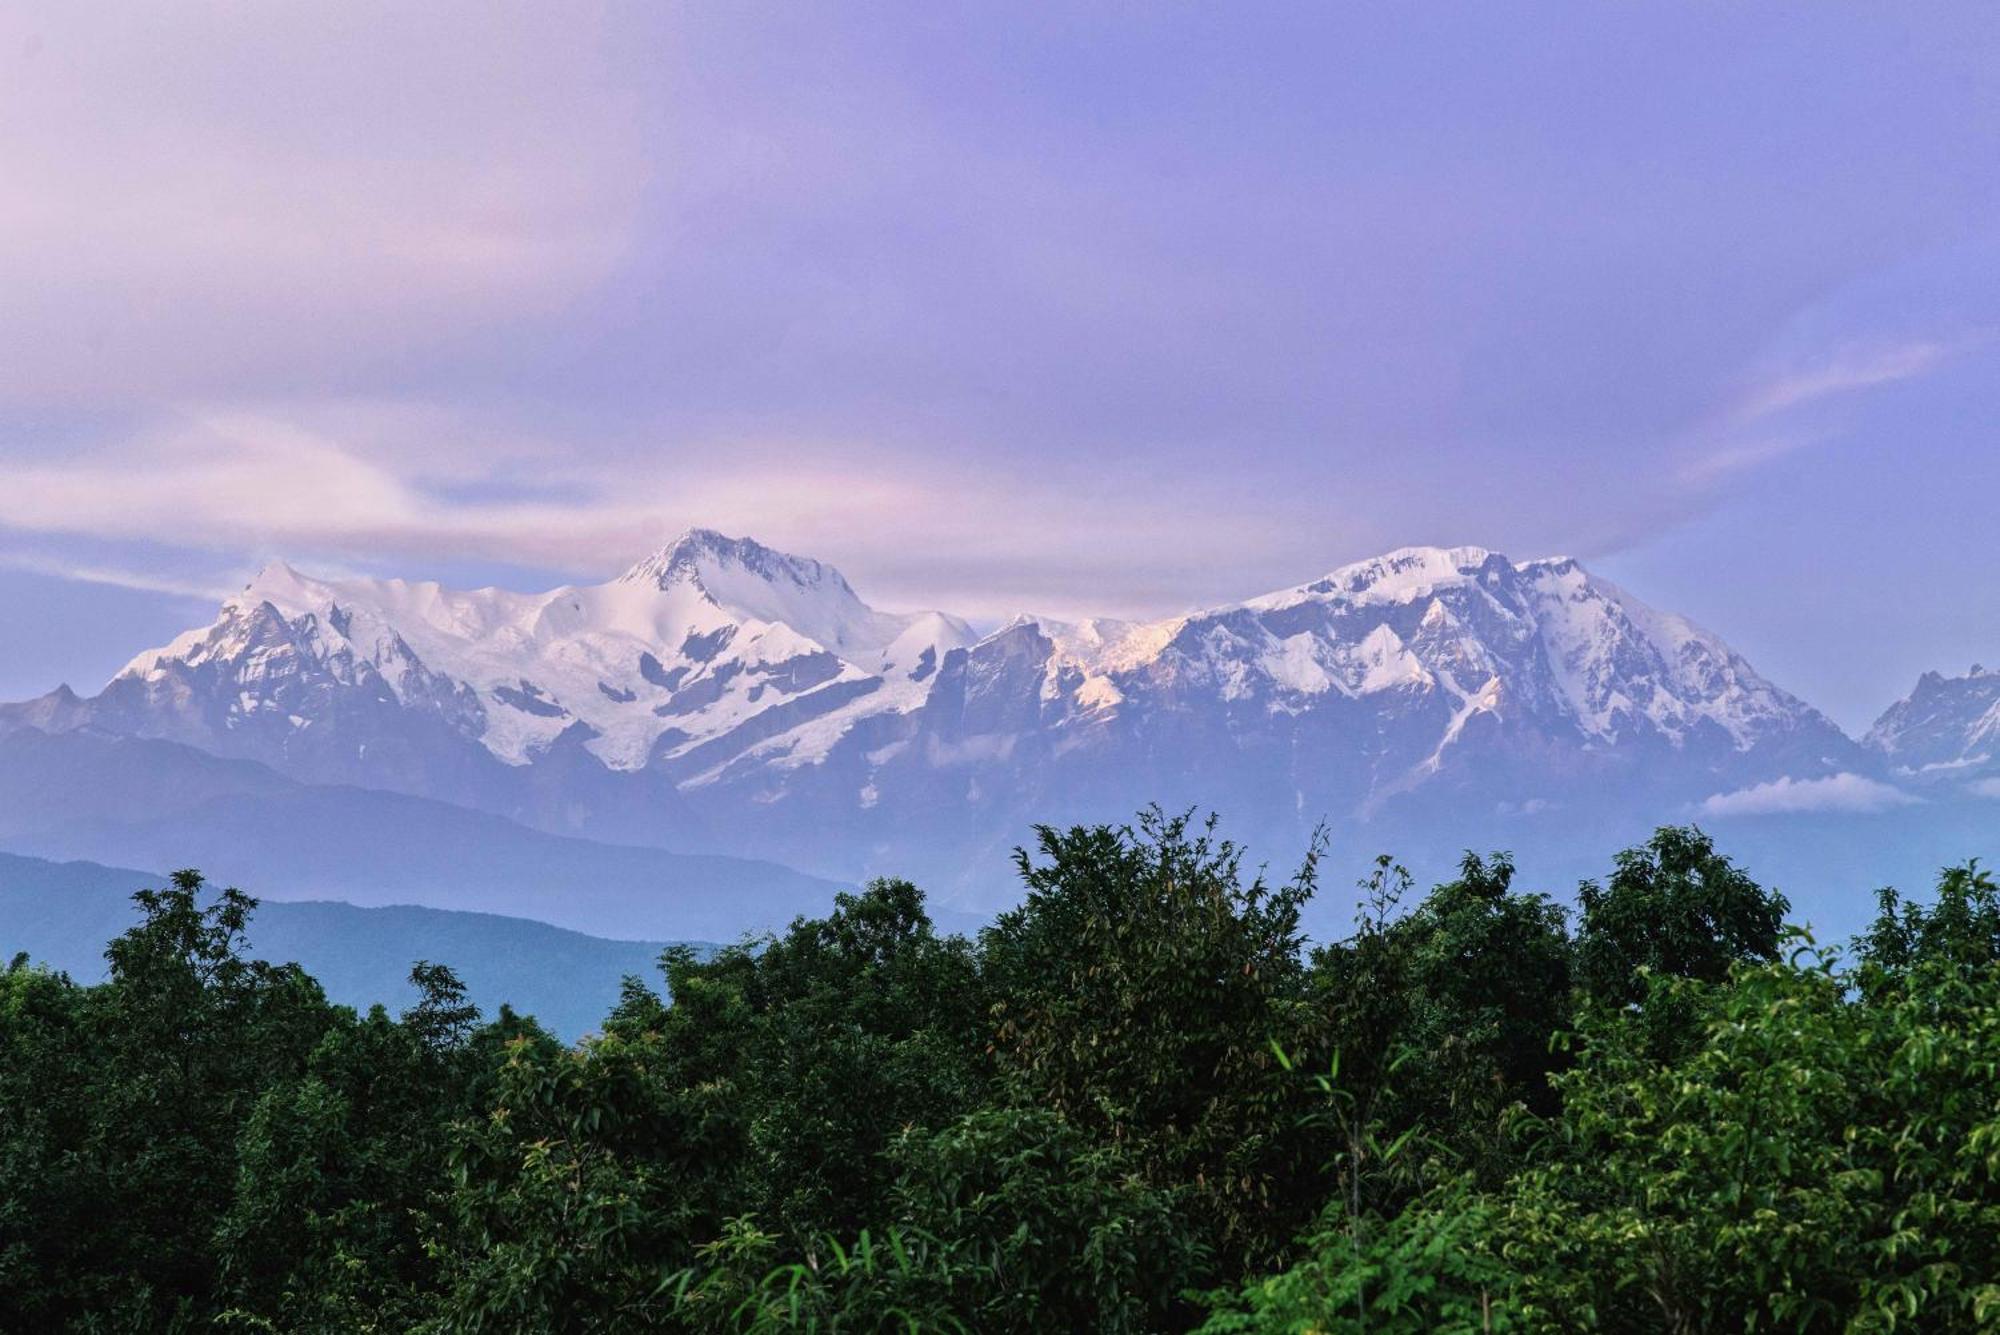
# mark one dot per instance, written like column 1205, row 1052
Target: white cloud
column 382, row 484
column 1984, row 788
column 1838, row 792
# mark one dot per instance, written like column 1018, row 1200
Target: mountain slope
column 64, row 913
column 1946, row 732
column 679, row 650
column 141, row 802
column 1427, row 689
column 721, row 695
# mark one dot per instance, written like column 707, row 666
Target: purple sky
column 1073, row 308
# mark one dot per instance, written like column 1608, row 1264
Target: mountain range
column 85, row 794
column 725, row 700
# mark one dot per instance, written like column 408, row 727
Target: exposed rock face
column 720, row 694
column 1947, row 732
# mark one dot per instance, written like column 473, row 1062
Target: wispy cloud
column 1716, row 462
column 114, row 576
column 1838, row 792
column 982, row 540
column 1843, row 372
column 940, row 302
column 1763, row 423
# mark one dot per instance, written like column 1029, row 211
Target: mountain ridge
column 1947, row 730
column 88, row 794
column 364, row 632
column 721, row 695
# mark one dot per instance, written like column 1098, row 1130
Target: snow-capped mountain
column 680, row 650
column 526, row 704
column 723, row 695
column 1947, row 732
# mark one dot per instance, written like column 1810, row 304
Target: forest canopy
column 1139, row 1101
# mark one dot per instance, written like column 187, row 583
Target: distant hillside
column 63, row 913
column 138, row 802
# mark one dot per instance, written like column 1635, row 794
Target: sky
column 1074, row 308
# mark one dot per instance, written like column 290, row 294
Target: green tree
column 1491, row 969
column 1441, row 1018
column 1814, row 1155
column 154, row 1074
column 1818, row 1160
column 1960, row 928
column 868, row 1024
column 1007, row 1220
column 1673, row 906
column 1137, row 991
column 54, row 1258
column 1427, row 1269
column 341, row 1170
column 897, row 1281
column 1053, row 1229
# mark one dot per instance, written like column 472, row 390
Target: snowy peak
column 1572, row 650
column 1407, row 572
column 706, row 559
column 1948, row 727
column 709, row 638
column 742, row 678
column 279, row 584
column 749, row 582
column 1099, row 644
column 1410, row 574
